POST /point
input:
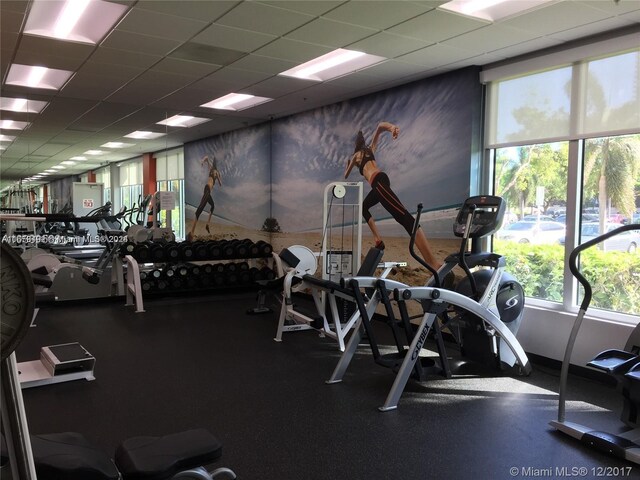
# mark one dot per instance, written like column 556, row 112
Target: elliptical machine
column 489, row 285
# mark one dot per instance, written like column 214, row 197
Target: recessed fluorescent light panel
column 37, row 77
column 85, row 21
column 7, row 138
column 13, row 125
column 116, row 145
column 144, row 135
column 68, row 162
column 491, row 10
column 183, row 121
column 94, row 152
column 21, row 105
column 332, row 65
column 79, row 158
column 236, row 102
column 59, row 167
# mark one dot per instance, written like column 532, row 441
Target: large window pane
column 535, row 107
column 533, row 181
column 611, row 197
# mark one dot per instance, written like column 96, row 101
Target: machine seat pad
column 159, row 458
column 70, row 456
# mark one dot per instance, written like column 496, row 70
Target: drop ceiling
column 165, row 58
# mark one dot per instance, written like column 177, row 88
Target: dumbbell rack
column 195, row 272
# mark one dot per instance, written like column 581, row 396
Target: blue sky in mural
column 428, row 162
column 243, row 162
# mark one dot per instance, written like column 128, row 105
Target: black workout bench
column 69, row 456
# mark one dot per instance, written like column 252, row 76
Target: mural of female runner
column 214, row 175
column 381, row 192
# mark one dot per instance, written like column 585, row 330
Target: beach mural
column 423, row 151
column 232, row 172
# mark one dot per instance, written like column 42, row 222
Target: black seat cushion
column 159, row 458
column 70, row 456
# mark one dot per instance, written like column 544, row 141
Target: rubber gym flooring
column 202, row 362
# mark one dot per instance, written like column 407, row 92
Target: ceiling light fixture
column 183, row 121
column 69, row 16
column 332, row 65
column 94, row 152
column 79, row 158
column 13, row 125
column 59, row 167
column 21, row 105
column 144, row 135
column 7, row 138
column 236, row 102
column 85, row 21
column 491, row 10
column 68, row 162
column 116, row 145
column 37, row 77
column 51, row 170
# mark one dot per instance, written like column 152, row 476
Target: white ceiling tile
column 395, row 69
column 613, row 8
column 262, row 18
column 185, row 67
column 196, row 9
column 103, row 115
column 437, row 26
column 52, row 53
column 11, row 21
column 330, row 33
column 633, row 16
column 232, row 38
column 277, row 86
column 134, row 42
column 121, row 57
column 376, row 14
column 436, row 55
column 49, row 149
column 258, row 63
column 388, row 45
column 593, row 28
column 146, row 22
column 555, row 18
column 490, row 38
column 315, row 7
column 149, row 87
column 230, row 78
column 185, row 99
column 292, row 50
column 90, row 86
column 479, row 60
column 526, row 47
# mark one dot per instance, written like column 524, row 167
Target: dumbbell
column 244, row 275
column 214, row 250
column 264, row 248
column 231, row 273
column 157, row 252
column 200, row 250
column 186, row 251
column 267, row 273
column 142, row 252
column 172, row 252
column 256, row 274
column 127, row 248
column 229, row 249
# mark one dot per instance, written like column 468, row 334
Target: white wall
column 545, row 332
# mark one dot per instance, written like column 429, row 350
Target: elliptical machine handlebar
column 573, row 259
column 413, row 253
column 462, row 262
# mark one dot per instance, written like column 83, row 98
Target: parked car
column 533, row 232
column 535, row 218
column 626, row 242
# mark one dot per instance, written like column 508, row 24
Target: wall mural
column 232, row 172
column 415, row 147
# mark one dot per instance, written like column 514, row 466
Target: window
column 564, row 145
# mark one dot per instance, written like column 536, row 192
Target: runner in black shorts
column 381, row 191
column 207, row 199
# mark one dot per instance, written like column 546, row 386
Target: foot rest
column 157, row 458
column 70, row 456
column 614, row 362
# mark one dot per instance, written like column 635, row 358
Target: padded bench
column 69, row 456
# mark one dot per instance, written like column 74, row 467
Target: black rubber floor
column 202, row 362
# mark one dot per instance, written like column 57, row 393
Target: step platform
column 614, row 362
column 57, row 364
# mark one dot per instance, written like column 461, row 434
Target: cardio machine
column 474, row 312
column 622, row 365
